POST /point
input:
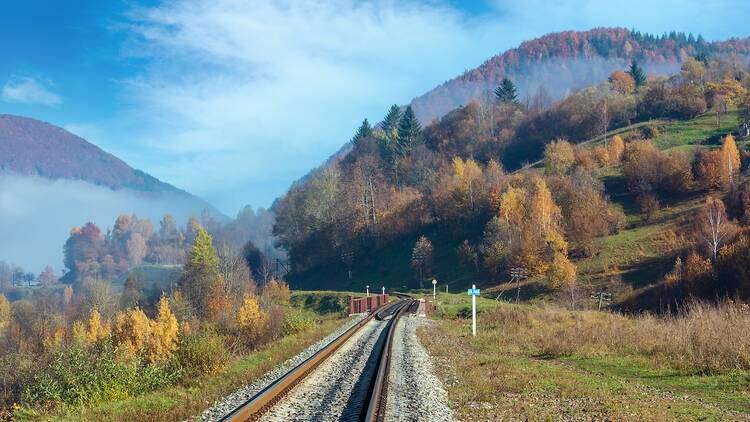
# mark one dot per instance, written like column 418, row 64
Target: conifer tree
column 506, row 92
column 364, row 131
column 409, row 131
column 391, row 121
column 637, row 73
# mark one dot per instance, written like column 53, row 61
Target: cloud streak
column 237, row 99
column 28, row 90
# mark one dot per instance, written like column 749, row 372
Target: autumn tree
column 714, row 227
column 234, row 271
column 506, row 92
column 561, row 273
column 97, row 328
column 47, row 278
column 131, row 330
column 723, row 94
column 710, row 168
column 132, row 295
column 4, row 313
column 558, row 157
column 250, row 319
column 83, row 249
column 421, row 258
column 162, row 339
column 615, row 149
column 468, row 182
column 621, row 82
column 730, row 157
column 693, row 71
column 201, row 270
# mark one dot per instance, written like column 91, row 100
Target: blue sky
column 233, row 100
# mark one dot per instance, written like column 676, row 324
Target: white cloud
column 240, row 91
column 29, row 91
column 245, row 97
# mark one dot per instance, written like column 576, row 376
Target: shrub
column 297, row 320
column 79, row 376
column 251, row 319
column 201, row 354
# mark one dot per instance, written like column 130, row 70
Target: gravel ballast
column 414, row 393
column 337, row 389
column 234, row 400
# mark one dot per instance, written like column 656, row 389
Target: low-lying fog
column 36, row 215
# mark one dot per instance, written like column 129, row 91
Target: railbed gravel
column 230, row 402
column 337, row 389
column 414, row 393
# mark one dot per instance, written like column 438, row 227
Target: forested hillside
column 632, row 162
column 549, row 68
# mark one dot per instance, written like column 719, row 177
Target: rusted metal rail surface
column 259, row 404
column 376, row 404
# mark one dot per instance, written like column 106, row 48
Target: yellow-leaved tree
column 97, row 329
column 730, row 160
column 4, row 313
column 615, row 149
column 156, row 339
column 162, row 340
column 132, row 328
column 559, row 157
column 251, row 319
column 561, row 273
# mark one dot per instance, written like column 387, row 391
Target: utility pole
column 601, row 298
column 516, row 274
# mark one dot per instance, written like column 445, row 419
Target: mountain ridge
column 33, row 147
column 561, row 62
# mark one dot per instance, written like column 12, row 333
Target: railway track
column 365, row 398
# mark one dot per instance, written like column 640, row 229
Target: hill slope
column 34, row 148
column 562, row 62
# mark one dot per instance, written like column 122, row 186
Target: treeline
column 91, row 254
column 88, row 342
column 400, row 181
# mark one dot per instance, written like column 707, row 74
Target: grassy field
column 185, row 401
column 542, row 363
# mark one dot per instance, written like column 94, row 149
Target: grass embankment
column 547, row 363
column 184, row 401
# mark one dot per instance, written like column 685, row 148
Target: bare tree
column 715, row 227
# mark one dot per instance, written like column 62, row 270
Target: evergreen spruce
column 409, row 131
column 506, row 92
column 391, row 121
column 364, row 131
column 636, row 72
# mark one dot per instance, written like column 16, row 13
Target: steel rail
column 377, row 397
column 266, row 398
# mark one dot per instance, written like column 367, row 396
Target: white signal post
column 368, row 290
column 383, row 290
column 473, row 292
column 434, row 291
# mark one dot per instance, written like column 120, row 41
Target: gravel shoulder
column 414, row 392
column 232, row 401
column 337, row 388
